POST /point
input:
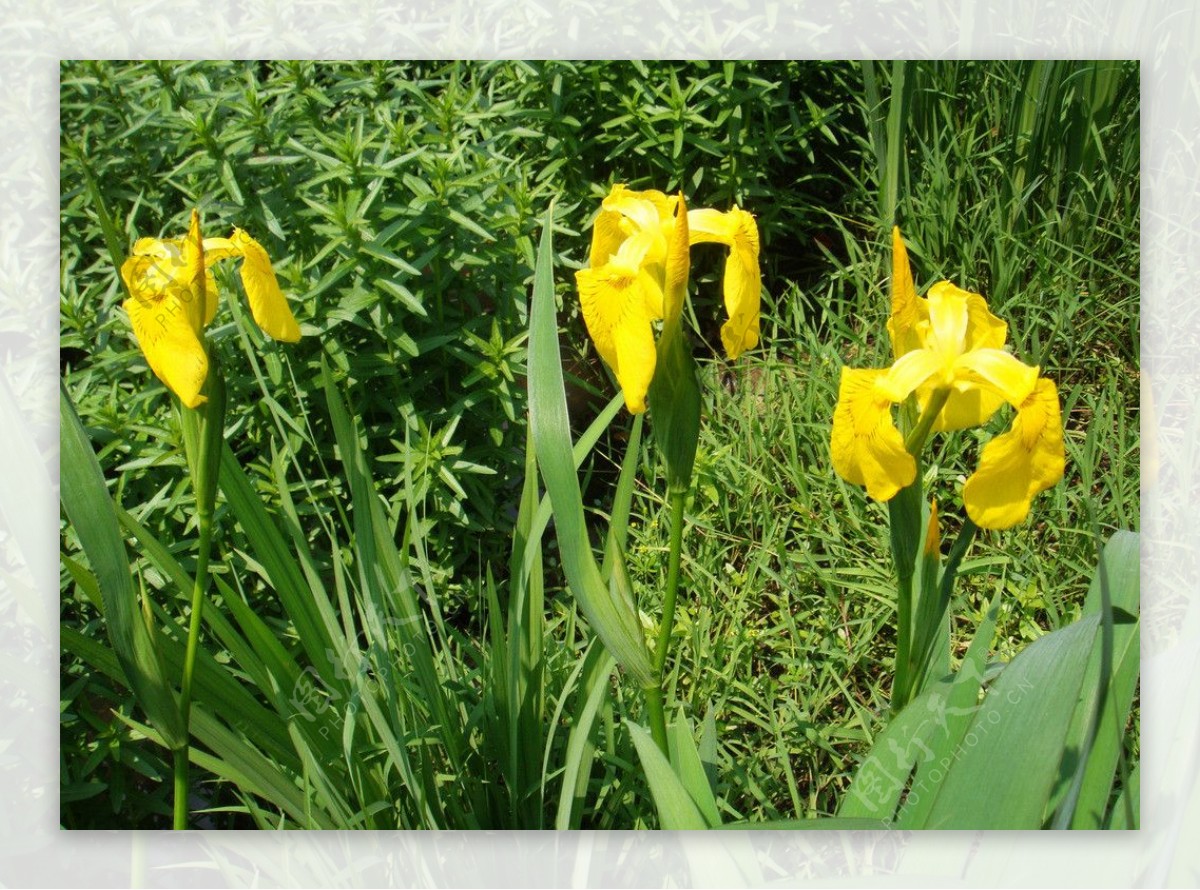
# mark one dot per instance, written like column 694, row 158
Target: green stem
column 189, row 664
column 654, row 695
column 904, row 511
column 181, row 788
column 658, row 717
column 916, row 439
column 907, row 534
column 677, row 499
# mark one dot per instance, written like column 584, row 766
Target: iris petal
column 1020, row 464
column 999, row 370
column 677, row 267
column 984, row 330
column 911, row 371
column 966, row 407
column 607, row 235
column 742, row 285
column 614, row 302
column 166, row 337
column 169, row 272
column 867, row 448
column 906, row 314
column 948, row 319
column 268, row 305
column 195, row 274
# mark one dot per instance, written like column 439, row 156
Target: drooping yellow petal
column 161, row 324
column 614, row 302
column 742, row 285
column 1016, row 466
column 902, row 325
column 268, row 305
column 867, row 448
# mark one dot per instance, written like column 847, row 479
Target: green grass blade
column 237, row 762
column 216, row 687
column 113, row 237
column 897, row 124
column 385, row 579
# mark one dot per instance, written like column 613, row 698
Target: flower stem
column 657, row 716
column 203, row 437
column 199, row 586
column 907, row 533
column 916, row 438
column 181, row 789
column 677, row 497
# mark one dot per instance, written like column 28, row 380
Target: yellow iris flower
column 173, row 297
column 639, row 253
column 949, row 351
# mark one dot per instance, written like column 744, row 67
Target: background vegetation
column 401, row 203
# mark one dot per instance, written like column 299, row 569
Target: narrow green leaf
column 1114, row 693
column 676, row 809
column 685, row 759
column 277, row 560
column 385, row 580
column 612, row 618
column 949, row 718
column 215, row 686
column 526, row 632
column 1126, row 811
column 91, row 512
column 595, row 668
column 618, row 528
column 239, row 763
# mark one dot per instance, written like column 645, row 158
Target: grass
column 401, row 203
